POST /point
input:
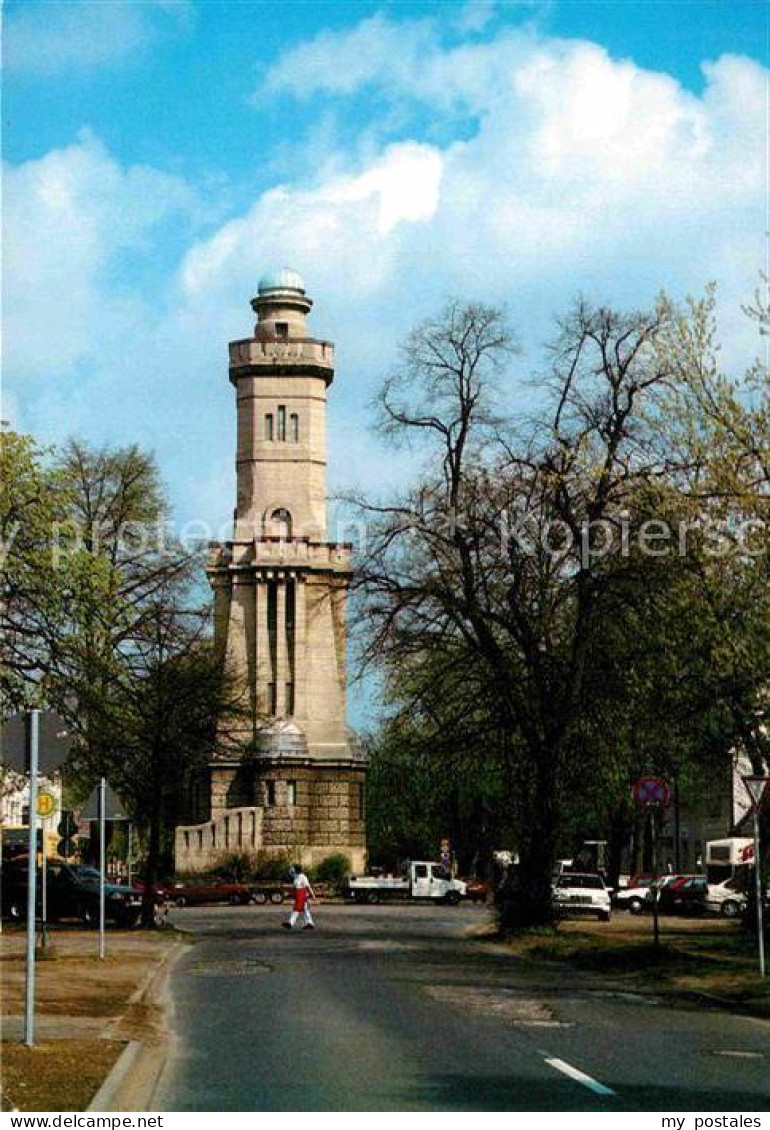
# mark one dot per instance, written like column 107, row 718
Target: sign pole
column 758, row 883
column 102, row 861
column 130, row 850
column 756, row 787
column 656, row 892
column 43, row 893
column 652, row 794
column 33, row 732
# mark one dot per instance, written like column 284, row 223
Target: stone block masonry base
column 303, row 812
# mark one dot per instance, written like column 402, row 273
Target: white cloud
column 354, row 223
column 68, row 217
column 578, row 172
column 53, row 36
column 577, row 165
column 360, row 55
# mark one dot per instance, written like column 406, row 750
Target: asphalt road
column 395, row 1008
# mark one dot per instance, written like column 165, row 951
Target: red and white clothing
column 302, row 893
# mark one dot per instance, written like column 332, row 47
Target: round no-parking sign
column 651, row 790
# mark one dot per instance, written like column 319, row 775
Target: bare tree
column 503, row 552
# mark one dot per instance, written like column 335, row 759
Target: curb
column 133, row 1079
column 104, row 1099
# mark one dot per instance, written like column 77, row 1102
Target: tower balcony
column 279, row 553
column 251, row 355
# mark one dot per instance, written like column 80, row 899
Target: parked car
column 641, row 880
column 684, row 894
column 72, row 891
column 635, row 896
column 726, row 898
column 476, row 890
column 190, row 893
column 581, row 893
column 160, row 891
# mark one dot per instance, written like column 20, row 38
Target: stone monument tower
column 289, row 778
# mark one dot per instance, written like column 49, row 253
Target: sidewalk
column 87, row 1011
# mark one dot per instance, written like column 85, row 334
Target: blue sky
column 161, row 155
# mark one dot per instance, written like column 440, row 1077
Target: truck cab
column 432, row 881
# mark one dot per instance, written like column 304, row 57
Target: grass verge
column 705, row 956
column 57, row 1075
column 86, row 1010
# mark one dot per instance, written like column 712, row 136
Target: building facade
column 288, row 777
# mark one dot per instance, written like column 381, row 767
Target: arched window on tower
column 294, row 427
column 280, row 524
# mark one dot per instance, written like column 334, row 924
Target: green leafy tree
column 526, row 541
column 27, row 515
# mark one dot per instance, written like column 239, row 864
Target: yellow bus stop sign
column 46, row 804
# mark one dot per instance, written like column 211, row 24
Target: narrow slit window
column 282, row 331
column 269, row 426
column 282, row 424
column 291, row 793
column 294, row 427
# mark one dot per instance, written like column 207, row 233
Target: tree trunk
column 618, row 835
column 528, row 899
column 153, row 862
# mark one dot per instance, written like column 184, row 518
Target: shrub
column 333, row 870
column 272, row 867
column 236, row 866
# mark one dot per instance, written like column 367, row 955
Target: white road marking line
column 579, row 1076
column 741, row 1055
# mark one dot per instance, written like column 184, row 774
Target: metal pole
column 130, row 850
column 33, row 719
column 758, row 883
column 102, row 861
column 656, row 892
column 43, row 893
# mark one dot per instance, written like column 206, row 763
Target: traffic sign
column 756, row 787
column 651, row 790
column 46, row 804
column 54, row 742
column 67, row 826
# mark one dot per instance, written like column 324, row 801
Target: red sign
column 651, row 790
